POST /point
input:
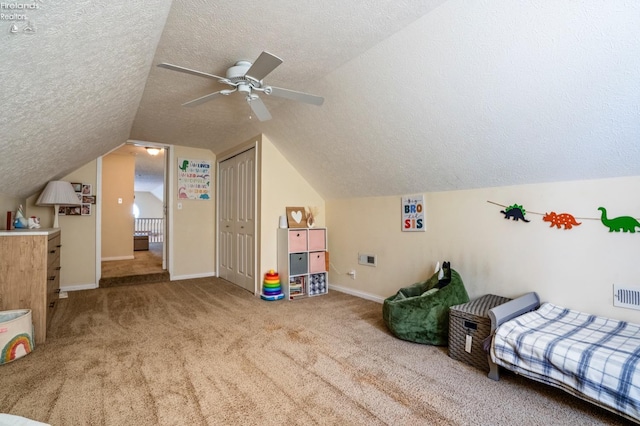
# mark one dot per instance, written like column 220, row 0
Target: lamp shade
column 58, row 193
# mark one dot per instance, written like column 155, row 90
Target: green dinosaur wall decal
column 624, row 223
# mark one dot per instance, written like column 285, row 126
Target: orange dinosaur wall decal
column 559, row 220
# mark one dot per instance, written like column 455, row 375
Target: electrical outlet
column 352, row 274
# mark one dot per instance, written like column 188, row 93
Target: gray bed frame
column 502, row 313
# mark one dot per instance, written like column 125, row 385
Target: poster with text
column 194, row 179
column 413, row 214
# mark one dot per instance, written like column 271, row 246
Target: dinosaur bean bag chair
column 420, row 313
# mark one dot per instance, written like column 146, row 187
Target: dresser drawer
column 297, row 240
column 53, row 251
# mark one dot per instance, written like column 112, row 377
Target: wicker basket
column 472, row 319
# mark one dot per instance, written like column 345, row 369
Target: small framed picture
column 86, row 209
column 73, row 211
column 79, row 195
column 62, row 211
column 86, row 189
column 296, row 217
column 88, row 199
column 77, row 186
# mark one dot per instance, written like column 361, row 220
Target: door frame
column 167, row 248
column 256, row 225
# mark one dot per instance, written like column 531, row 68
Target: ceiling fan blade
column 205, row 98
column 295, row 96
column 265, row 63
column 190, row 71
column 259, row 108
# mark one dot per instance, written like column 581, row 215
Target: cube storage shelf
column 302, row 262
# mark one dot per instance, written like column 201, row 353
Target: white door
column 236, row 223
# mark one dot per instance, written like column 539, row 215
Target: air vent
column 367, row 259
column 626, row 297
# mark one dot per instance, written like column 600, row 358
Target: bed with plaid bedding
column 591, row 357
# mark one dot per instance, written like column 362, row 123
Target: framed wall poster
column 77, row 186
column 413, row 214
column 194, row 179
column 296, row 217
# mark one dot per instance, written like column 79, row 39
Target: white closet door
column 226, row 219
column 237, row 219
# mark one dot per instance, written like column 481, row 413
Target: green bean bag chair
column 420, row 313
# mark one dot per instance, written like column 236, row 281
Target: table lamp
column 58, row 193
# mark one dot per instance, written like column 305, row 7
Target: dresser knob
column 52, row 304
column 58, row 268
column 52, row 278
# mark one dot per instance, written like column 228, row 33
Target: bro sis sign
column 413, row 213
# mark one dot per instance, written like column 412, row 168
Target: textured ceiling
column 71, row 90
column 419, row 96
column 149, row 169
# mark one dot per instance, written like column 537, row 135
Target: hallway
column 144, row 268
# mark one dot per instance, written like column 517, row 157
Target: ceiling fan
column 246, row 77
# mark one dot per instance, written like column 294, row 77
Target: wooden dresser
column 30, row 274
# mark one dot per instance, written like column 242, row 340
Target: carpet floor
column 145, row 267
column 205, row 352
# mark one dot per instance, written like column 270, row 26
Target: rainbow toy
column 271, row 289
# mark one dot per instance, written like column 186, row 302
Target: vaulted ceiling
column 419, row 96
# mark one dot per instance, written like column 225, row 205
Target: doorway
column 140, row 248
column 236, row 219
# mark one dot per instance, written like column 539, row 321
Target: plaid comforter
column 594, row 358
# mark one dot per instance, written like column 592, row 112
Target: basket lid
column 481, row 305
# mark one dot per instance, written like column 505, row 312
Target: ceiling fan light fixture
column 152, row 150
column 247, row 77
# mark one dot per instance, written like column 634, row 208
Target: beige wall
column 9, row 204
column 118, row 173
column 281, row 187
column 150, row 206
column 78, row 235
column 573, row 268
column 193, row 228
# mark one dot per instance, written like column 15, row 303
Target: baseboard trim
column 191, row 276
column 360, row 294
column 106, row 259
column 78, row 287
